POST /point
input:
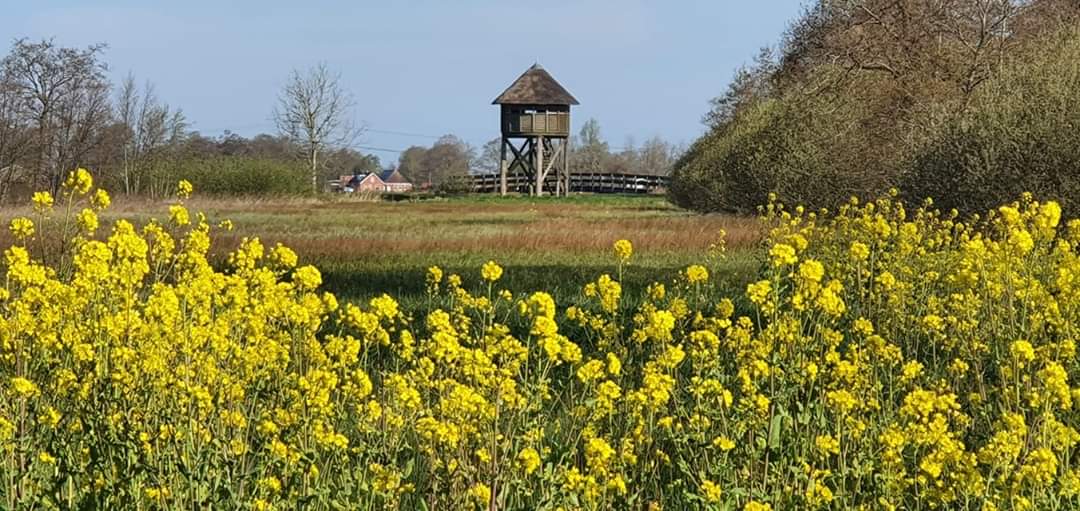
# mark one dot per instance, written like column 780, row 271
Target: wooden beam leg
column 566, row 165
column 502, row 169
column 539, row 166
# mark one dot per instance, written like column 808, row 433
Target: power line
column 402, row 133
column 381, row 149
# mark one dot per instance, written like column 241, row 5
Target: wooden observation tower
column 535, row 123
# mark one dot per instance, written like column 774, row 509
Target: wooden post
column 566, row 164
column 502, row 168
column 539, row 166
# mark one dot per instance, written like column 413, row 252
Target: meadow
column 365, row 248
column 875, row 357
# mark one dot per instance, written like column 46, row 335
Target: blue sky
column 425, row 67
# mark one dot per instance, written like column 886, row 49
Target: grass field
column 366, row 248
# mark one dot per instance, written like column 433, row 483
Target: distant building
column 390, row 181
column 395, row 182
column 369, row 182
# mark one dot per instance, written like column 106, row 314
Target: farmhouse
column 395, row 182
column 389, row 181
column 369, row 182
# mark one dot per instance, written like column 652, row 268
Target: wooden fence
column 591, row 182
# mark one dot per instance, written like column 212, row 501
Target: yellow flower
column 307, row 277
column 491, row 271
column 812, row 270
column 24, row 387
column 783, row 254
column 614, row 365
column 711, row 491
column 1022, row 351
column 529, row 460
column 754, row 505
column 841, row 400
column 46, row 458
column 87, row 221
column 859, row 251
column 184, row 189
column 22, row 228
column 43, row 202
column 696, row 274
column 270, row 484
column 178, row 215
column 817, row 494
column 598, row 455
column 723, row 443
column 827, row 444
column 481, row 494
column 101, row 199
column 80, row 181
column 284, row 258
column 758, row 292
column 623, row 250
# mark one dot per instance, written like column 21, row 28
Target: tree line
column 971, row 102
column 59, row 111
column 447, row 163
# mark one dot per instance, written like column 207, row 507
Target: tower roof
column 535, row 87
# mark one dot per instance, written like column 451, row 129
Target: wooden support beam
column 539, row 151
column 566, row 165
column 554, row 159
column 503, row 166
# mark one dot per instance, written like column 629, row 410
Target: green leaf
column 774, row 430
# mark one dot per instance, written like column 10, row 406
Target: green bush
column 811, row 147
column 240, row 175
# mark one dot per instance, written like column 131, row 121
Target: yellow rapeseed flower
column 696, row 274
column 529, row 460
column 623, row 249
column 491, row 271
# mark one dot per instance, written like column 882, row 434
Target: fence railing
column 588, row 182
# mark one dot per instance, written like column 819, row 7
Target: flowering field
column 881, row 358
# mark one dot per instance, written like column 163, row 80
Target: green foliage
column 240, row 175
column 812, row 147
column 847, row 111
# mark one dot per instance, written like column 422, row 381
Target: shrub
column 1019, row 134
column 807, row 146
column 241, row 175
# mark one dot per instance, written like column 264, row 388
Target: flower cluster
column 880, row 359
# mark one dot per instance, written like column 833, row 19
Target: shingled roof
column 535, row 87
column 393, row 176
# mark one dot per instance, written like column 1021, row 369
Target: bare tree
column 656, row 156
column 15, row 134
column 314, row 111
column 490, row 159
column 590, row 151
column 915, row 43
column 66, row 95
column 150, row 127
